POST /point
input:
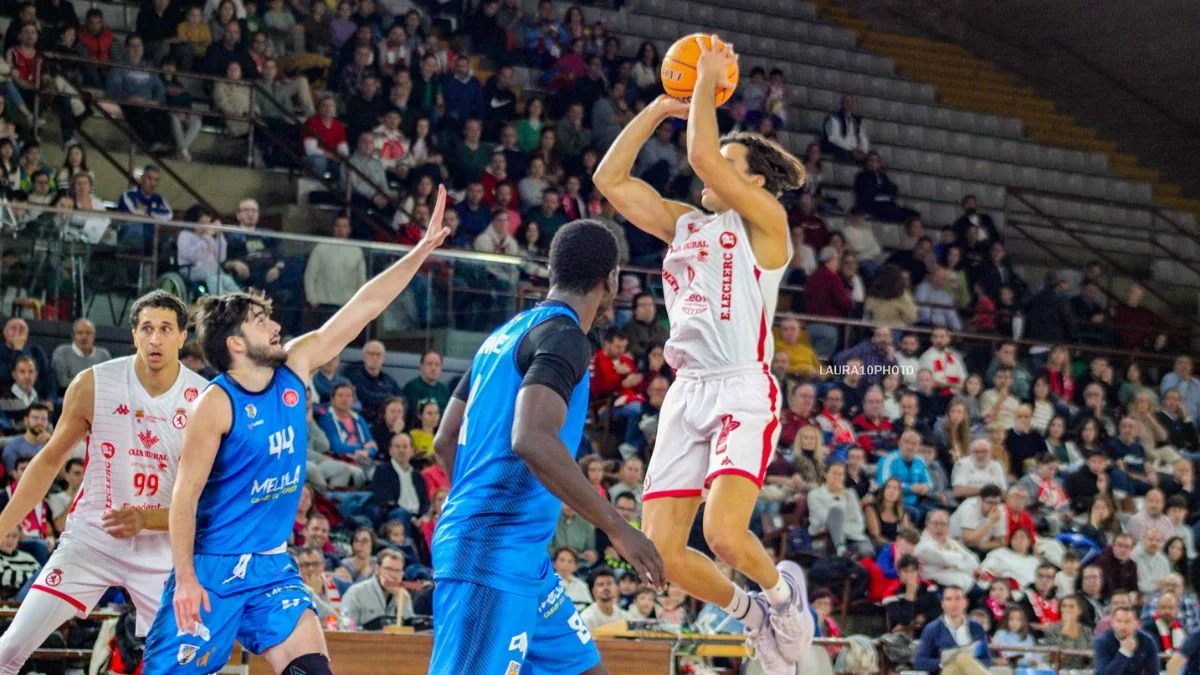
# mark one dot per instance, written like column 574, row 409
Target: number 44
column 283, row 440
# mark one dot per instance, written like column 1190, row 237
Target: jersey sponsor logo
column 693, row 228
column 701, row 256
column 147, row 438
column 190, row 394
column 275, row 486
column 186, row 653
column 726, row 285
column 121, row 410
column 494, row 343
column 179, row 421
column 54, row 577
column 251, row 411
column 553, row 601
column 519, row 643
column 671, row 281
column 694, row 304
column 157, row 458
column 108, row 450
column 728, row 425
column 290, row 398
column 728, row 240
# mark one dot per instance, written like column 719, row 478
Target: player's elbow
column 605, row 179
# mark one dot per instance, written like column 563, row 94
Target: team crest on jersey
column 728, row 425
column 693, row 228
column 54, row 577
column 108, row 450
column 179, row 421
column 694, row 304
column 190, row 394
column 251, row 411
column 728, row 240
column 121, row 410
column 514, row 668
column 186, row 653
column 290, row 397
column 147, row 438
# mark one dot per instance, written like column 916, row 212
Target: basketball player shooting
column 718, row 423
column 132, row 412
column 239, row 482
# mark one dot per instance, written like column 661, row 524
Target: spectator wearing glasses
column 380, row 600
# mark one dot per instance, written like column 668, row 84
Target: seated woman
column 833, row 509
column 1015, row 561
column 202, row 254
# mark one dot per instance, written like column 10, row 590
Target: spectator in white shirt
column 333, row 273
column 834, row 509
column 496, row 239
column 202, row 255
column 999, row 404
column 947, row 562
column 861, row 241
column 566, row 563
column 978, row 469
column 844, row 135
column 604, row 610
column 947, row 366
column 979, row 521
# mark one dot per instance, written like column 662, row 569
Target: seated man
column 380, row 600
column 36, row 435
column 398, row 491
column 843, row 135
column 950, row 633
column 875, row 193
column 349, row 437
column 21, row 396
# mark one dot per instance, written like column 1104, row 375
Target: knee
column 725, row 542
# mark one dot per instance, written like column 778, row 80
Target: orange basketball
column 679, row 69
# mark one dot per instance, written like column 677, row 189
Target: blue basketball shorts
column 256, row 600
column 479, row 629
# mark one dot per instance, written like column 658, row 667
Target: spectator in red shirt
column 325, row 139
column 614, row 373
column 874, row 429
column 1138, row 327
column 801, row 412
column 826, row 295
column 1015, row 501
column 495, row 173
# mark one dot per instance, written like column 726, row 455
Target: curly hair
column 217, row 317
column 583, row 254
column 781, row 169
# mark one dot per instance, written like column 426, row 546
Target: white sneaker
column 766, row 647
column 792, row 625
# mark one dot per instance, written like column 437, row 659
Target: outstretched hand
column 436, row 232
column 715, row 58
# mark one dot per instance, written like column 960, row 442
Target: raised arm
column 72, row 428
column 632, row 197
column 307, row 352
column 540, row 414
column 760, row 209
column 200, row 444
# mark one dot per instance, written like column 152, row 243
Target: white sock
column 744, row 609
column 780, row 594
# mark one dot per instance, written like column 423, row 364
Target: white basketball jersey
column 134, row 444
column 720, row 302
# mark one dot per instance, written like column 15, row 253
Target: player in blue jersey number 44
column 508, row 440
column 239, row 481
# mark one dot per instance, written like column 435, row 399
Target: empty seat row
column 721, row 20
column 983, row 146
column 925, row 115
column 792, row 9
column 798, row 73
column 1093, row 186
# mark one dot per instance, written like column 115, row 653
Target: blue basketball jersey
column 498, row 518
column 253, row 490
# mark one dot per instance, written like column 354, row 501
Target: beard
column 266, row 356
